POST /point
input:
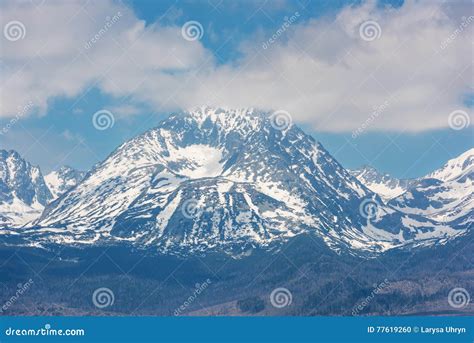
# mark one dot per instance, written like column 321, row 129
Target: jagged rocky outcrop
column 23, row 192
column 63, row 179
column 386, row 186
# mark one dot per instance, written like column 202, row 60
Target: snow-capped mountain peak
column 386, row 186
column 445, row 195
column 61, row 180
column 23, row 192
column 455, row 167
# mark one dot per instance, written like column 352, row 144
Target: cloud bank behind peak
column 400, row 69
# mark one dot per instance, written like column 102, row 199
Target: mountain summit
column 222, row 179
column 61, row 180
column 23, row 192
column 383, row 184
column 445, row 195
column 455, row 168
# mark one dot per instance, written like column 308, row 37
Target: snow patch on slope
column 385, row 191
column 198, row 161
column 454, row 167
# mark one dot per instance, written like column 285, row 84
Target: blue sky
column 315, row 69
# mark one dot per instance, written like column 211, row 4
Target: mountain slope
column 386, row 186
column 448, row 198
column 61, row 180
column 227, row 180
column 455, row 167
column 23, row 192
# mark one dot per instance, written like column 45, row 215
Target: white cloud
column 72, row 137
column 126, row 110
column 320, row 71
column 69, row 46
